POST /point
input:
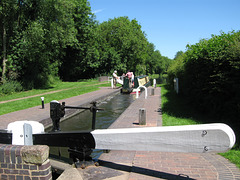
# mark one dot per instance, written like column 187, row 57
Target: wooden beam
column 191, row 138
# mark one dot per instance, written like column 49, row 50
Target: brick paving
column 163, row 165
column 138, row 165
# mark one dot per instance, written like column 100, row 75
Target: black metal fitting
column 80, row 152
column 56, row 113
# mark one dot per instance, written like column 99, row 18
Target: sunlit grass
column 55, row 87
column 233, row 155
column 176, row 121
column 69, row 89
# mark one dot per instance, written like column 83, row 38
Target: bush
column 176, row 69
column 10, row 87
column 212, row 74
column 209, row 76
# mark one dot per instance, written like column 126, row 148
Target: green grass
column 233, row 155
column 177, row 111
column 68, row 89
column 55, row 87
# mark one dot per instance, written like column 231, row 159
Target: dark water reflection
column 113, row 107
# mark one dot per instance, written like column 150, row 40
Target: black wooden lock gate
column 80, row 143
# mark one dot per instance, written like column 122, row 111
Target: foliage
column 38, row 36
column 209, row 76
column 176, row 68
column 122, row 45
column 154, row 61
column 10, row 87
column 75, row 63
column 35, row 65
column 47, row 40
column 212, row 74
column 178, row 54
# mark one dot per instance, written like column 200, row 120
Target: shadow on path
column 143, row 171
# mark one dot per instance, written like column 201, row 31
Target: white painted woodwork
column 154, row 83
column 138, row 89
column 17, row 130
column 119, row 81
column 191, row 138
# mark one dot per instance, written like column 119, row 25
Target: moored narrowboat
column 129, row 87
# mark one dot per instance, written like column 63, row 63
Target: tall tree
column 75, row 64
column 151, row 59
column 178, row 54
column 7, row 16
column 123, row 44
column 46, row 35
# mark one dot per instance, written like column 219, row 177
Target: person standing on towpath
column 129, row 76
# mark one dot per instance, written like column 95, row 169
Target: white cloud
column 97, row 11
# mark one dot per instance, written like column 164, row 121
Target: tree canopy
column 43, row 40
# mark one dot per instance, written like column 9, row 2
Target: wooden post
column 176, row 87
column 112, row 82
column 154, row 83
column 142, row 116
column 152, row 91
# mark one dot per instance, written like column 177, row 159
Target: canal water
column 113, row 107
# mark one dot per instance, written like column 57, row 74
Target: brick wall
column 24, row 162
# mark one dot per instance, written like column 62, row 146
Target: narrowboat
column 138, row 81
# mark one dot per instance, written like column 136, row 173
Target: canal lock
column 113, row 106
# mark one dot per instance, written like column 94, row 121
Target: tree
column 7, row 16
column 75, row 64
column 35, row 65
column 160, row 63
column 18, row 16
column 176, row 68
column 52, row 35
column 150, row 61
column 178, row 54
column 123, row 44
column 45, row 39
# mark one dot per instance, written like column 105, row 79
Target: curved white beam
column 138, row 89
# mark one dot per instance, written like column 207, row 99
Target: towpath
column 43, row 115
column 138, row 165
column 142, row 165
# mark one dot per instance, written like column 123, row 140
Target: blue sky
column 172, row 24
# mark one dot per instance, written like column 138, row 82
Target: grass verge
column 55, row 87
column 177, row 111
column 65, row 90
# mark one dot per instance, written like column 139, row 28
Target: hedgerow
column 209, row 76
